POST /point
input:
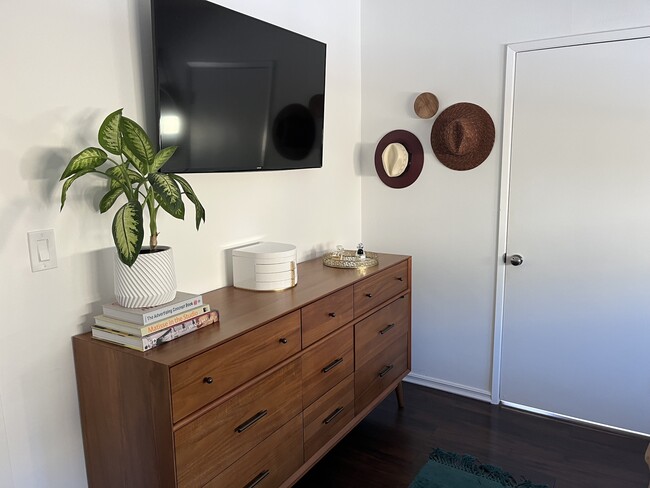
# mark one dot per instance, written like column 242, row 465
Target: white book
column 147, row 315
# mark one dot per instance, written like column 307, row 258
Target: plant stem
column 128, row 190
column 153, row 211
column 125, row 174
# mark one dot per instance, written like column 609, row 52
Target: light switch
column 42, row 250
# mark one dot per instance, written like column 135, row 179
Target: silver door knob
column 516, row 259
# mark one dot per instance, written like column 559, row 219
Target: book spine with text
column 143, row 330
column 157, row 338
column 176, row 319
column 173, row 309
column 146, row 317
column 180, row 330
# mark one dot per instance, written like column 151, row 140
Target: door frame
column 512, row 50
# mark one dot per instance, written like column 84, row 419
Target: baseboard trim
column 575, row 420
column 448, row 386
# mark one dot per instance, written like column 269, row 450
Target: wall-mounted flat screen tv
column 233, row 92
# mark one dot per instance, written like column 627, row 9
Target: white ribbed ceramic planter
column 149, row 282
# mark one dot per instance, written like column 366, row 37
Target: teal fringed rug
column 449, row 470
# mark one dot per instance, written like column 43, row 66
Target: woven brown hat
column 462, row 136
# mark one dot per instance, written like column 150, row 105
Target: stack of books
column 146, row 328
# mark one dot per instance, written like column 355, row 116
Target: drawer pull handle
column 333, row 415
column 387, row 328
column 283, row 340
column 332, row 314
column 369, row 295
column 385, row 371
column 208, row 380
column 399, row 278
column 258, row 479
column 332, row 365
column 249, row 423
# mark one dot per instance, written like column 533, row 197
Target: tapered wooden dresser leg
column 399, row 391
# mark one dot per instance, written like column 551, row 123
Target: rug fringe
column 470, row 464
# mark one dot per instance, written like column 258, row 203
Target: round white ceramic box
column 265, row 266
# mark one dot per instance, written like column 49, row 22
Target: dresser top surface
column 243, row 310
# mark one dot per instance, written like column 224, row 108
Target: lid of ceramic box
column 266, row 250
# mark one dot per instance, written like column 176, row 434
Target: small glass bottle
column 361, row 254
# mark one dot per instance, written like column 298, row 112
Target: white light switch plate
column 42, row 249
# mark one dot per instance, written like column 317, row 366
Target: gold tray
column 349, row 259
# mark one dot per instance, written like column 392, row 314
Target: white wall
column 448, row 220
column 66, row 64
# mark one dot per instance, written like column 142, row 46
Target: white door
column 576, row 311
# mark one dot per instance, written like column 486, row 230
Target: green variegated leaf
column 109, row 133
column 167, row 194
column 117, row 176
column 136, row 175
column 89, row 158
column 109, row 199
column 139, row 164
column 136, row 139
column 189, row 192
column 128, row 232
column 162, row 157
column 69, row 182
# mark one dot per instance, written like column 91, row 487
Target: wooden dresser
column 256, row 400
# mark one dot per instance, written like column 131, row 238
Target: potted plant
column 130, row 164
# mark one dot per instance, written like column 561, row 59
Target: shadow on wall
column 364, row 161
column 41, row 167
column 97, row 267
column 10, row 215
column 317, row 251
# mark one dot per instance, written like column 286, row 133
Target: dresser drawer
column 326, row 315
column 378, row 288
column 269, row 463
column 212, row 442
column 326, row 416
column 326, row 364
column 381, row 329
column 379, row 372
column 204, row 378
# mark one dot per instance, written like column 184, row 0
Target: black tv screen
column 233, row 92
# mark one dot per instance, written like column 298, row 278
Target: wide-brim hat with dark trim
column 409, row 159
column 462, row 136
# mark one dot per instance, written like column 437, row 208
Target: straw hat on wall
column 395, row 158
column 399, row 158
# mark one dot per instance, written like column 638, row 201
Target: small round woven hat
column 462, row 136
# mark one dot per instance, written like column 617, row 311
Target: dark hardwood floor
column 389, row 447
